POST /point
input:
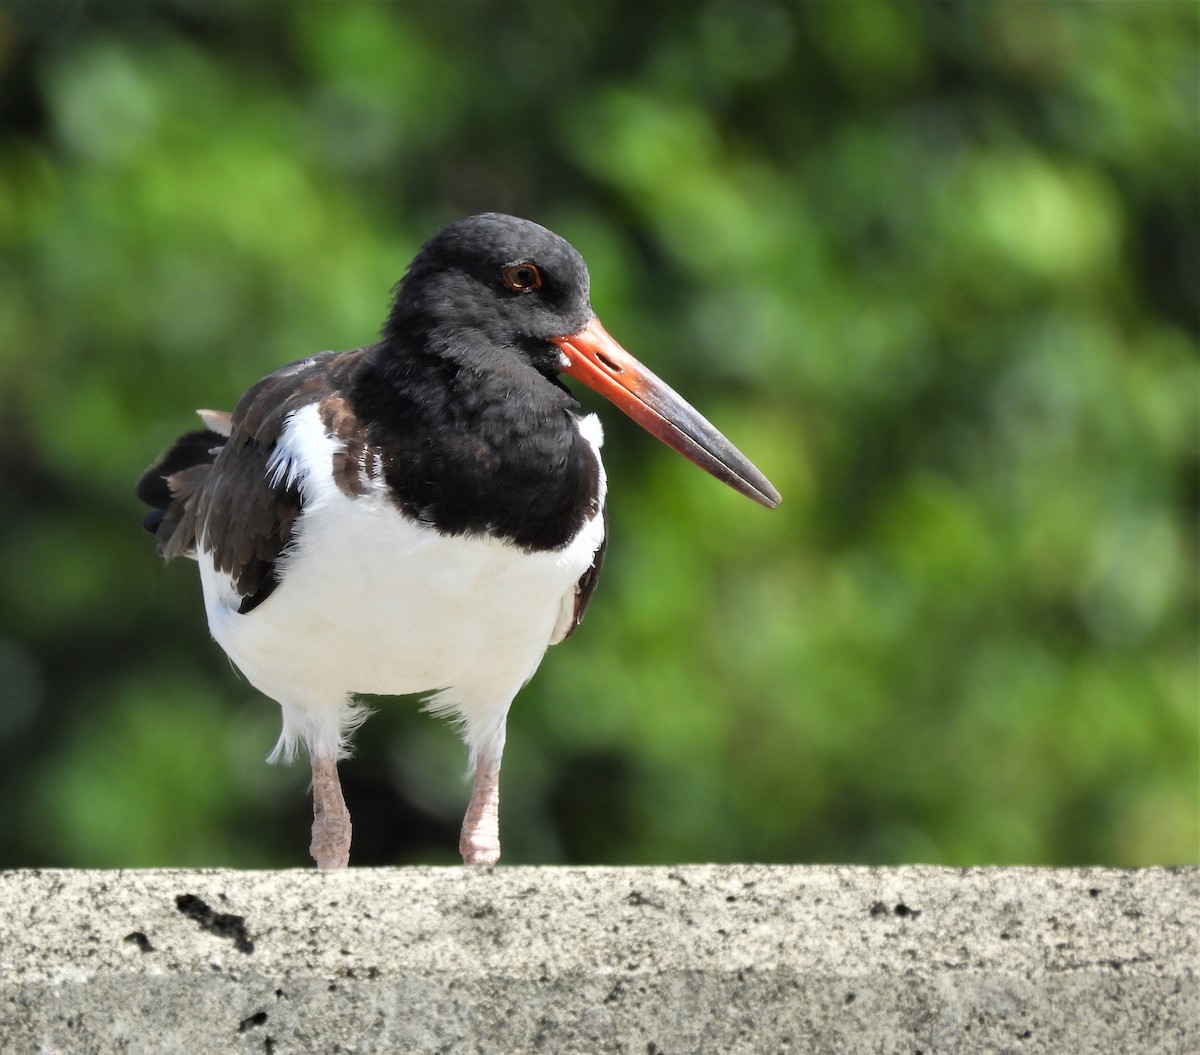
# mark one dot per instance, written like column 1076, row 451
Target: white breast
column 373, row 602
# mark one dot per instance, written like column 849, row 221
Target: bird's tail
column 169, row 485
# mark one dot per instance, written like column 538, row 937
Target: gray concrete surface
column 650, row 961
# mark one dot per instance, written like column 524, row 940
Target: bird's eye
column 523, row 278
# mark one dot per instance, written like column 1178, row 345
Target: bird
column 424, row 514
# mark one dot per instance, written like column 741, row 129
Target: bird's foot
column 478, row 850
column 330, row 846
column 479, row 842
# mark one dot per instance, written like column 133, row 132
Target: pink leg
column 479, row 843
column 330, row 846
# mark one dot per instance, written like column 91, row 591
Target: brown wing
column 588, row 580
column 245, row 521
column 168, row 485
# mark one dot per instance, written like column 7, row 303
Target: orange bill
column 593, row 357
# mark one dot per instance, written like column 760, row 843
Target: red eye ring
column 521, row 278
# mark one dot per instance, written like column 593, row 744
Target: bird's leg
column 330, row 846
column 479, row 843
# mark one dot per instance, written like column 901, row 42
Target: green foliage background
column 933, row 266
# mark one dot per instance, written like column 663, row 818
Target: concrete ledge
column 651, row 961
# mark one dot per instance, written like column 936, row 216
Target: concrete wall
column 648, row 961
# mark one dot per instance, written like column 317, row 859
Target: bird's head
column 491, row 285
column 506, row 280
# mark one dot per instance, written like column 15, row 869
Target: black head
column 497, row 295
column 506, row 280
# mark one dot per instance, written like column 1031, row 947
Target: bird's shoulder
column 322, row 380
column 246, row 509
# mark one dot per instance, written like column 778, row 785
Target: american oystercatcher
column 425, row 514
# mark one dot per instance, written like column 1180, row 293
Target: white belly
column 373, row 602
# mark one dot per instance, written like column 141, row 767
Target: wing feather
column 212, row 490
column 586, row 585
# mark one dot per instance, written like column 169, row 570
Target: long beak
column 594, row 358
